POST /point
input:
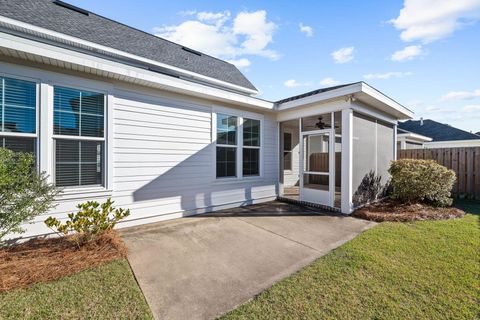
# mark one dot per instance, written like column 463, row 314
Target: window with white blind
column 79, row 137
column 18, row 114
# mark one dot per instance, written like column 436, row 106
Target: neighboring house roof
column 314, row 92
column 97, row 29
column 436, row 130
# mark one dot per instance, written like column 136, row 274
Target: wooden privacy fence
column 319, row 162
column 464, row 161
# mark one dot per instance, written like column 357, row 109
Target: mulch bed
column 390, row 210
column 42, row 260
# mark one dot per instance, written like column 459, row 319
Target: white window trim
column 37, row 115
column 241, row 115
column 44, row 145
column 106, row 185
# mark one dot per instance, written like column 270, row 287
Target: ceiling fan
column 321, row 125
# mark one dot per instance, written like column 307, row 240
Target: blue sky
column 422, row 53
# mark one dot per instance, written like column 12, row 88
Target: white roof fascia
column 355, row 90
column 459, row 143
column 125, row 54
column 387, row 101
column 414, row 136
column 320, row 97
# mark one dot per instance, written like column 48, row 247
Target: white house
column 428, row 134
column 111, row 111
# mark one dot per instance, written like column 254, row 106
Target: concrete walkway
column 202, row 267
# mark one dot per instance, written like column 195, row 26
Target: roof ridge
column 148, row 33
column 102, row 30
column 313, row 92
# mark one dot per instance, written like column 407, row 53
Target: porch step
column 308, row 204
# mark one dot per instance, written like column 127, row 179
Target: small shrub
column 91, row 220
column 370, row 189
column 24, row 193
column 421, row 181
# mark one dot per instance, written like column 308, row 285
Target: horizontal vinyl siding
column 164, row 163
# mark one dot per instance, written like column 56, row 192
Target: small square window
column 251, row 133
column 251, row 162
column 226, row 129
column 226, row 162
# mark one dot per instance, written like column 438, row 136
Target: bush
column 421, row 181
column 24, row 193
column 91, row 220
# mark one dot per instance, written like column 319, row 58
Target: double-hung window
column 238, row 142
column 18, row 114
column 79, row 137
column 226, row 146
column 251, row 147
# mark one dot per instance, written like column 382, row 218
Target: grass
column 106, row 292
column 419, row 270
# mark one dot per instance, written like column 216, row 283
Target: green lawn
column 106, row 292
column 421, row 270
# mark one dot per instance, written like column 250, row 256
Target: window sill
column 83, row 193
column 220, row 181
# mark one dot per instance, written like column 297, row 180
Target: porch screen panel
column 364, row 160
column 385, row 142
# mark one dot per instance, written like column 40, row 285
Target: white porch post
column 347, row 160
column 45, row 120
column 395, row 142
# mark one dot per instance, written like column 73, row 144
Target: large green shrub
column 24, row 193
column 91, row 220
column 422, row 181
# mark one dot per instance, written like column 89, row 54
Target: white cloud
column 471, row 108
column 407, row 53
column 430, row 20
column 203, row 37
column 387, row 75
column 343, row 55
column 258, row 33
column 461, row 95
column 327, row 82
column 240, row 63
column 187, row 13
column 292, row 83
column 250, row 33
column 306, row 29
column 215, row 17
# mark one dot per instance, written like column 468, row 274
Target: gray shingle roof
column 314, row 92
column 103, row 31
column 436, row 130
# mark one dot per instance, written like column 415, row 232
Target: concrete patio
column 204, row 266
